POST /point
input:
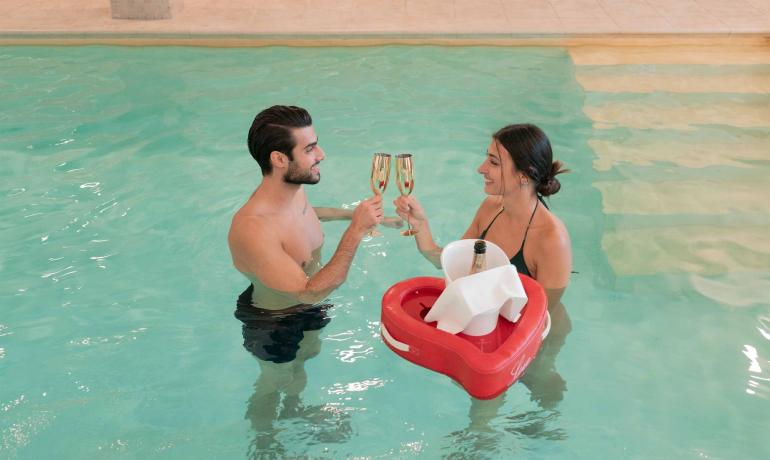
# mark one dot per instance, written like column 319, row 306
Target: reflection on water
column 546, row 387
column 758, row 380
column 544, row 382
column 282, row 341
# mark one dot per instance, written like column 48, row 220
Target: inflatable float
column 484, row 365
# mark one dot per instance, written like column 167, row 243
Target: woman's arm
column 554, row 264
column 408, row 208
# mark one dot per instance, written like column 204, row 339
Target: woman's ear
column 279, row 159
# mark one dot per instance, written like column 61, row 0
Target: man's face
column 304, row 169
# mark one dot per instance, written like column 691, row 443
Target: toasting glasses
column 379, row 178
column 405, row 181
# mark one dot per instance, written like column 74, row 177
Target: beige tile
column 740, row 154
column 478, row 23
column 532, row 26
column 761, row 5
column 519, row 10
column 441, row 26
column 693, row 54
column 706, row 250
column 589, row 25
column 222, row 16
column 759, row 23
column 697, row 196
column 731, row 288
column 311, row 22
column 643, row 24
column 722, row 9
column 433, row 16
column 380, row 6
column 428, row 8
column 677, row 8
column 331, row 5
column 578, row 9
column 380, row 21
column 637, row 115
column 477, row 7
column 484, row 16
column 628, row 9
column 748, row 83
column 395, row 16
column 697, row 24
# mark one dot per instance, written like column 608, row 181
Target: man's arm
column 329, row 214
column 261, row 253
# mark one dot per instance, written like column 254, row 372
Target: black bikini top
column 518, row 259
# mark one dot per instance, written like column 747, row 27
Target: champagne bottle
column 479, row 257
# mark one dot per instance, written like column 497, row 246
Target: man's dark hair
column 271, row 131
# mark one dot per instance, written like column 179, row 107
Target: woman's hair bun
column 550, row 185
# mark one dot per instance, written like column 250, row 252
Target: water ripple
column 19, row 434
column 764, row 326
column 115, row 339
column 758, row 380
column 355, row 387
column 355, row 352
column 12, row 404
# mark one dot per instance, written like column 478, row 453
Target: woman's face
column 498, row 170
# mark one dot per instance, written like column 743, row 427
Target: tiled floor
column 444, row 18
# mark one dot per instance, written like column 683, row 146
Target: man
column 275, row 238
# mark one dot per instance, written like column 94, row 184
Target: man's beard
column 298, row 178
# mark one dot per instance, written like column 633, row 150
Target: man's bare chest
column 301, row 236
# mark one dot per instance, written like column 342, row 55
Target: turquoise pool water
column 121, row 167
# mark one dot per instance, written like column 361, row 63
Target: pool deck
column 352, row 22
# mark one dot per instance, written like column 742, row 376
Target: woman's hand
column 409, row 208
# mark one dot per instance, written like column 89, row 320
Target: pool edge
column 229, row 40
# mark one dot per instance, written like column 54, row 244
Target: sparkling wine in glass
column 405, row 181
column 379, row 178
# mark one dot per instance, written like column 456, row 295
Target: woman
column 518, row 171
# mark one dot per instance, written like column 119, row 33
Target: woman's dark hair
column 531, row 153
column 271, row 131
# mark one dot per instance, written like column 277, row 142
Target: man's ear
column 279, row 159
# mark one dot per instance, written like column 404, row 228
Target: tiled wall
column 141, row 9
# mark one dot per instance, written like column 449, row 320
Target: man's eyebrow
column 312, row 144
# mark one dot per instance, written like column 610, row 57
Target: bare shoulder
column 248, row 227
column 492, row 203
column 489, row 207
column 554, row 236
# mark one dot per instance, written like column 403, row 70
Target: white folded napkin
column 471, row 304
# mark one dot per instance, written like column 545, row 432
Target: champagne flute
column 405, row 181
column 379, row 178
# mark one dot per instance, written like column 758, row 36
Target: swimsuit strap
column 528, row 224
column 484, row 233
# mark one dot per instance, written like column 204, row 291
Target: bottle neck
column 479, row 262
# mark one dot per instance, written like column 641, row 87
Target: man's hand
column 367, row 215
